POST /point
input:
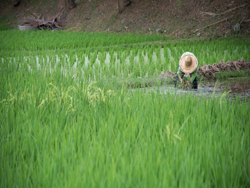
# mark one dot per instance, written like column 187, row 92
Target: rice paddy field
column 67, row 120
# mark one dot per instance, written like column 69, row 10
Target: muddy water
column 234, row 87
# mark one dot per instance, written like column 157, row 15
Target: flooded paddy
column 231, row 87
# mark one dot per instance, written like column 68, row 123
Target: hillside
column 179, row 18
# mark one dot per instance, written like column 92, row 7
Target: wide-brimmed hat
column 188, row 63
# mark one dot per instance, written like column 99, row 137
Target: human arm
column 180, row 74
column 180, row 78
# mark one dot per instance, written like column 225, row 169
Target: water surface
column 232, row 87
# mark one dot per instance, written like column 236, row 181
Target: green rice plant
column 240, row 73
column 60, row 131
column 128, row 63
column 42, row 40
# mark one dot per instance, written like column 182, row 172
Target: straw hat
column 188, row 63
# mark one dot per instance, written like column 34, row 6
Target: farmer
column 187, row 70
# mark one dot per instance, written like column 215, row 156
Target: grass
column 61, row 127
column 240, row 73
column 143, row 82
column 47, row 40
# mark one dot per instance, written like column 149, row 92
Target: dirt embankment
column 172, row 18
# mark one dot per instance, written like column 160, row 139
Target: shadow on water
column 234, row 87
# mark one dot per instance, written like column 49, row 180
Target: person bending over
column 187, row 70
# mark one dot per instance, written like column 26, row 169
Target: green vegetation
column 65, row 123
column 47, row 40
column 96, row 55
column 240, row 73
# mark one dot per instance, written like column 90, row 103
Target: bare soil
column 178, row 18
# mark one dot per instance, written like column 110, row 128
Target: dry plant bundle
column 209, row 71
column 41, row 23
